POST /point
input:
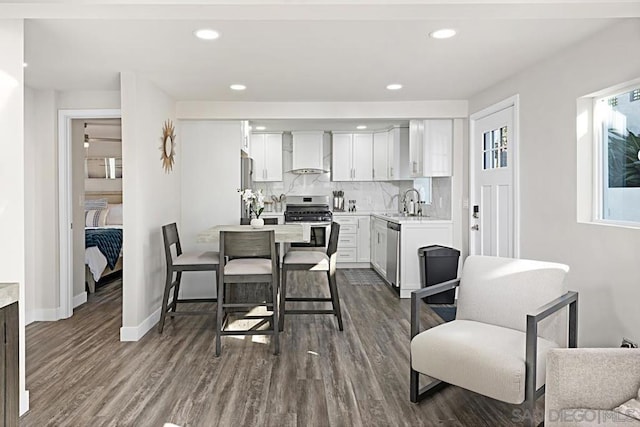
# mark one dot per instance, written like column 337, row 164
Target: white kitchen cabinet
column 352, row 158
column 364, row 237
column 308, row 150
column 412, row 237
column 354, row 239
column 379, row 245
column 431, row 147
column 266, row 151
column 381, row 156
column 245, row 129
column 391, row 154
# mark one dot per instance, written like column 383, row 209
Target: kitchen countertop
column 398, row 219
column 395, row 217
column 8, row 293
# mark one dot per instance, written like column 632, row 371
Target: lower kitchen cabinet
column 353, row 242
column 9, row 370
column 413, row 236
column 379, row 245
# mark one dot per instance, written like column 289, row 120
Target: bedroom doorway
column 97, row 250
column 75, row 164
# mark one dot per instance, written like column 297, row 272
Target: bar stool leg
column 333, row 288
column 220, row 303
column 176, row 291
column 276, row 325
column 283, row 297
column 165, row 299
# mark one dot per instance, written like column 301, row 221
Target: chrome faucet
column 412, row 210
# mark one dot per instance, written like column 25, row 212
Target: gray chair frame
column 416, row 394
column 248, row 244
column 170, row 237
column 332, row 249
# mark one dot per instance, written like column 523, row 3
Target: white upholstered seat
column 480, row 357
column 319, row 260
column 248, row 266
column 193, row 258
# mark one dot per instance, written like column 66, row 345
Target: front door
column 492, row 185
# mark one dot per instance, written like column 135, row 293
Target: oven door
column 318, row 238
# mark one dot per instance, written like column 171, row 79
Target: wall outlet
column 628, row 343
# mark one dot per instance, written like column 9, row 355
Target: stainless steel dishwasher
column 393, row 253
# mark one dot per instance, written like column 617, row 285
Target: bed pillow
column 92, row 204
column 95, row 217
column 115, row 215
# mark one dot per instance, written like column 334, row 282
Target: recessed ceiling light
column 361, row 127
column 260, row 127
column 206, row 34
column 445, row 33
column 238, row 87
column 394, row 86
column 25, row 65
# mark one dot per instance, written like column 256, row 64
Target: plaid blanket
column 108, row 241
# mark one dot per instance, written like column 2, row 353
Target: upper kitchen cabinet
column 352, row 158
column 430, row 147
column 308, row 154
column 266, row 151
column 391, row 154
column 245, row 129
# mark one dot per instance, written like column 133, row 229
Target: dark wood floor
column 79, row 374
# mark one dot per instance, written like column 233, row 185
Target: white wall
column 605, row 266
column 12, row 174
column 211, row 149
column 151, row 198
column 41, row 206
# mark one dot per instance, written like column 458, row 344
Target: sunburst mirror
column 168, row 145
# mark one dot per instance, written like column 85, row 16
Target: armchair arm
column 569, row 299
column 416, row 297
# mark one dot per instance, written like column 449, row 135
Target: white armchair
column 507, row 320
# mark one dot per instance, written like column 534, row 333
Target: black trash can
column 438, row 264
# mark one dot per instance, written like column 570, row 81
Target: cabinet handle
column 391, row 171
column 373, row 173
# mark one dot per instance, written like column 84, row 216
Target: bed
column 103, row 236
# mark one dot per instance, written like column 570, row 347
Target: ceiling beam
column 349, row 10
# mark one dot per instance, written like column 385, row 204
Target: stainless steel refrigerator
column 246, row 180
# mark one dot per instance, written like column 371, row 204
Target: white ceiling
column 328, row 59
column 326, row 125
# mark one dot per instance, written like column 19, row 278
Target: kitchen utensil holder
column 338, row 204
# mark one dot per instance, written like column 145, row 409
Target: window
column 495, row 149
column 617, row 133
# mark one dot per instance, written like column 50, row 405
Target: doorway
column 67, row 202
column 493, row 181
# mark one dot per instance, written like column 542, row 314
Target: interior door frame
column 65, row 207
column 511, row 102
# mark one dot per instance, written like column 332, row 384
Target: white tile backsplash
column 369, row 196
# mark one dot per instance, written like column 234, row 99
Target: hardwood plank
column 79, row 374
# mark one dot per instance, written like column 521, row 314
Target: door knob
column 475, row 227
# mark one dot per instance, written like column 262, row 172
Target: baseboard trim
column 42, row 315
column 134, row 333
column 24, row 402
column 79, row 299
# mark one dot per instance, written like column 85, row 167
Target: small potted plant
column 254, row 201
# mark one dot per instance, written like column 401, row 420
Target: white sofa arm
column 591, row 378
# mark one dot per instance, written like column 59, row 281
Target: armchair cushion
column 481, row 357
column 502, row 291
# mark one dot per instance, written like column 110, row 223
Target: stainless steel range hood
column 307, row 171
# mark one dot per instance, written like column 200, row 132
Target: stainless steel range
column 312, row 210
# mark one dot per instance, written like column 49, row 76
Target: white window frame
column 599, row 155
